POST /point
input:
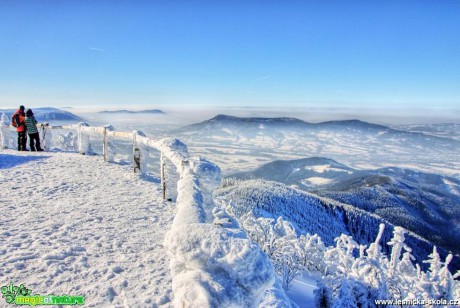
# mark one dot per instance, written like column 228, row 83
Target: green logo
column 22, row 296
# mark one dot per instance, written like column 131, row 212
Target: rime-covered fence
column 213, row 263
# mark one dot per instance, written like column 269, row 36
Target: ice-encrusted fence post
column 83, row 139
column 45, row 135
column 104, row 143
column 162, row 175
column 108, row 149
column 5, row 134
column 136, row 154
column 140, row 153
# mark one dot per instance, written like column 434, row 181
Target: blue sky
column 370, row 54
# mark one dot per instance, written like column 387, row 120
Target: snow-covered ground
column 75, row 225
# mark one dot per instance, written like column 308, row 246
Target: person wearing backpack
column 18, row 121
column 32, row 131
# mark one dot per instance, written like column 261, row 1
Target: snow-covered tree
column 323, row 296
column 446, row 282
column 435, row 265
column 260, row 230
column 311, row 249
column 340, row 259
column 345, row 298
column 374, row 250
column 354, row 275
column 287, row 266
column 398, row 244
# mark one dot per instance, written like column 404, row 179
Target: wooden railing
column 139, row 141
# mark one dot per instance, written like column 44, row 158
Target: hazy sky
column 231, row 53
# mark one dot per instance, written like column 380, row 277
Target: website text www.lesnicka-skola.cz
column 417, row 302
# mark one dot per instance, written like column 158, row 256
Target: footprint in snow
column 111, row 294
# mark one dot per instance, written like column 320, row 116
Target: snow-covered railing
column 213, row 263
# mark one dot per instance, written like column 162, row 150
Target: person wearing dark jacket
column 32, row 131
column 18, row 121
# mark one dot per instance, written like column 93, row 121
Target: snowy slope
column 420, row 202
column 76, row 225
column 303, row 173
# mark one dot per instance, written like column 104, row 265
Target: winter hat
column 29, row 112
column 22, row 108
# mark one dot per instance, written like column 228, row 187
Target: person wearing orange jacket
column 18, row 121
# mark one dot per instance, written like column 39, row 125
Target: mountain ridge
column 262, row 123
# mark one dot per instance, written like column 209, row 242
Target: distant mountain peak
column 49, row 114
column 147, row 111
column 224, row 117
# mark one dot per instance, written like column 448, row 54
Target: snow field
column 75, row 225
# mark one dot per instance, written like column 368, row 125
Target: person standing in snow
column 34, row 137
column 18, row 121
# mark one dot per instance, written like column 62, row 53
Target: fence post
column 104, row 144
column 4, row 124
column 46, row 138
column 42, row 127
column 84, row 147
column 136, row 155
column 162, row 175
column 80, row 141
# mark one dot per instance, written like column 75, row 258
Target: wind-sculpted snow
column 214, row 268
column 211, row 264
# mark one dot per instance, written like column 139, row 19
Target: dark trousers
column 22, row 141
column 34, row 142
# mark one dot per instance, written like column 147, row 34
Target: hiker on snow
column 32, row 130
column 18, row 121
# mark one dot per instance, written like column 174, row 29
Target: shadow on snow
column 10, row 161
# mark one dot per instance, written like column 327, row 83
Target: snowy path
column 74, row 225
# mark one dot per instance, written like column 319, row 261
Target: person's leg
column 19, row 142
column 24, row 141
column 31, row 142
column 37, row 142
